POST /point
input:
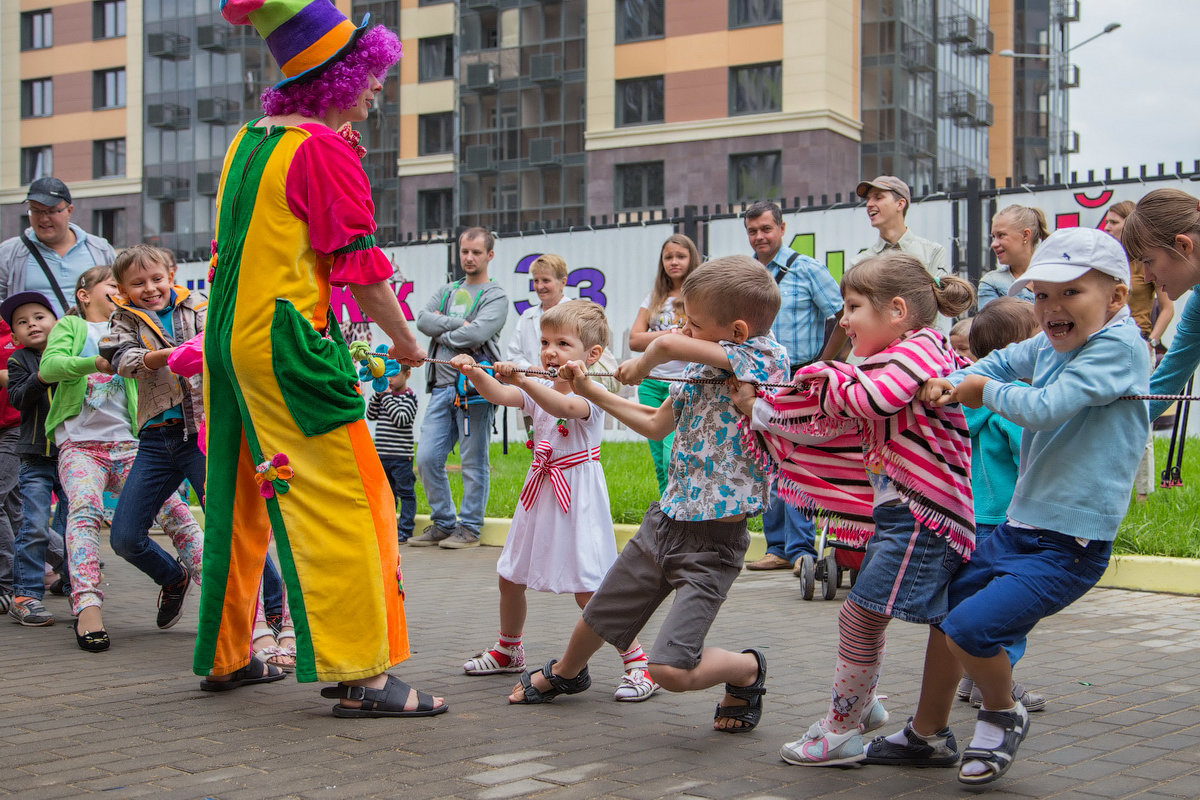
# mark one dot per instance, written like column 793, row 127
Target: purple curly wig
column 341, row 83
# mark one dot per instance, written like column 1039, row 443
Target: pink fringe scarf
column 925, row 451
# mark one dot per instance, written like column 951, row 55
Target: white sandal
column 636, row 685
column 273, row 654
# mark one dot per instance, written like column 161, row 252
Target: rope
column 553, row 373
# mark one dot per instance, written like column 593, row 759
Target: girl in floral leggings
column 93, row 419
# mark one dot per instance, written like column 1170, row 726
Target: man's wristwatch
column 1154, row 343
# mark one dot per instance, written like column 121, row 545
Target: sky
column 1136, row 103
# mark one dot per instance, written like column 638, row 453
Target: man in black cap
column 52, row 252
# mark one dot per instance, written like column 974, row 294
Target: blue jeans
column 788, row 532
column 37, row 479
column 166, row 455
column 272, row 587
column 1016, row 649
column 400, row 475
column 443, row 427
column 1015, row 579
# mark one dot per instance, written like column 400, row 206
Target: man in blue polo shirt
column 810, row 296
column 66, row 249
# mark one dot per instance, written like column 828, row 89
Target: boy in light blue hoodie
column 1079, row 451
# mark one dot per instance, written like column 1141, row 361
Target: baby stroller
column 834, row 559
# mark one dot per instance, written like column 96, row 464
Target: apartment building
column 70, row 78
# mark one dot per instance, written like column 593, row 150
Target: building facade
column 70, row 77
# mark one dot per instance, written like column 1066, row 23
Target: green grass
column 1164, row 525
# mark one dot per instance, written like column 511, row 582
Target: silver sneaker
column 429, row 537
column 1031, row 701
column 30, row 613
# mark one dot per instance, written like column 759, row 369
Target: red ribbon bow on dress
column 543, row 466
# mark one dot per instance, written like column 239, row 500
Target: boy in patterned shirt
column 694, row 540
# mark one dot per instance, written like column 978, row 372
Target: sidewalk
column 1121, row 671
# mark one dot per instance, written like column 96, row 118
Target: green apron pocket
column 315, row 374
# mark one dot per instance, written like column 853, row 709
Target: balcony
column 167, row 187
column 541, row 152
column 919, row 56
column 967, row 109
column 1066, row 10
column 1068, row 142
column 482, row 77
column 1069, row 76
column 983, row 44
column 217, row 110
column 543, row 68
column 957, row 30
column 169, row 116
column 479, row 158
column 207, row 183
column 169, row 46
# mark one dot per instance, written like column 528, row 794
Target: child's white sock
column 988, row 735
column 632, row 656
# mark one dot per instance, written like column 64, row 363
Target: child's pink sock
column 507, row 642
column 859, row 657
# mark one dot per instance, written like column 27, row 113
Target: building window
column 37, row 30
column 106, row 222
column 640, row 101
column 436, row 134
column 37, row 97
column 108, row 88
column 166, row 216
column 108, row 158
column 755, row 176
column 755, row 89
column 435, row 210
column 639, row 186
column 435, row 58
column 108, row 19
column 748, row 13
column 36, row 162
column 639, row 19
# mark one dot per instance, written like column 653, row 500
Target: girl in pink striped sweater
column 853, row 444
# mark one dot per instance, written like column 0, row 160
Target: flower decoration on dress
column 353, row 137
column 212, row 263
column 560, row 425
column 376, row 367
column 272, row 476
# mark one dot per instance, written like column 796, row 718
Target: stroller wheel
column 829, row 581
column 853, row 577
column 808, row 577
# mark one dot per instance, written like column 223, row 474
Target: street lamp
column 1056, row 158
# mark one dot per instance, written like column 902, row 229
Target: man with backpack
column 465, row 316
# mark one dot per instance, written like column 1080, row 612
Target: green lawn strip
column 1165, row 525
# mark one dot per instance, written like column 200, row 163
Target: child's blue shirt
column 995, row 463
column 711, row 475
column 1081, row 445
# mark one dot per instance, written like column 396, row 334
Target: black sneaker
column 916, row 752
column 170, row 599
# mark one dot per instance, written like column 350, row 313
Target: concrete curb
column 1139, row 573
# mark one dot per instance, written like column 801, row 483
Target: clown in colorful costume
column 289, row 450
column 274, row 384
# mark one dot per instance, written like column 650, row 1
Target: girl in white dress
column 561, row 539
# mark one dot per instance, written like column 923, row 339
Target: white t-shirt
column 665, row 319
column 104, row 415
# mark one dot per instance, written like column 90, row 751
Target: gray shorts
column 697, row 560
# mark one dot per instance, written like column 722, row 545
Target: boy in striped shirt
column 394, row 412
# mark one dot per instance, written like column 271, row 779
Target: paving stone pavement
column 1121, row 671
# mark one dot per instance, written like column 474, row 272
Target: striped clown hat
column 304, row 36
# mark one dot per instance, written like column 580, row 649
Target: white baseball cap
column 1068, row 253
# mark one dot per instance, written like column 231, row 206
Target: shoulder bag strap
column 37, row 255
column 785, row 268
